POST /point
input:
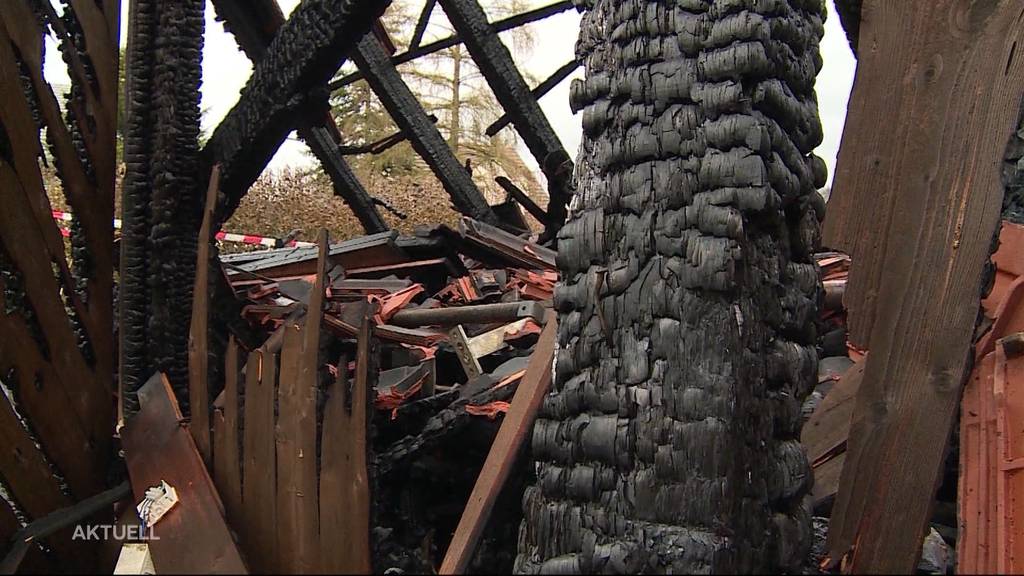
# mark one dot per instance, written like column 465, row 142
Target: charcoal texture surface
column 1013, row 175
column 161, row 197
column 687, row 338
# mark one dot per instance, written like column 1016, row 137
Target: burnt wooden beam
column 522, row 198
column 423, row 134
column 421, row 24
column 920, row 259
column 507, row 448
column 510, row 88
column 539, row 91
column 306, row 51
column 849, row 15
column 499, row 26
column 254, row 24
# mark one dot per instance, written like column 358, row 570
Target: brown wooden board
column 826, row 431
column 227, row 463
column 917, row 201
column 198, row 338
column 514, row 431
column 296, row 461
column 344, row 479
column 260, row 474
column 193, row 536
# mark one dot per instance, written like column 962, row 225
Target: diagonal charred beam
column 498, row 26
column 543, row 88
column 424, row 136
column 421, row 24
column 306, row 51
column 514, row 95
column 254, row 24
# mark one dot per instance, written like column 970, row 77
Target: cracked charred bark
column 161, row 193
column 424, row 136
column 669, row 442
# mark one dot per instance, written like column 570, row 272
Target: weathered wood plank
column 344, row 479
column 927, row 188
column 296, row 460
column 227, row 463
column 260, row 472
column 198, row 337
column 515, row 429
column 827, row 429
column 193, row 536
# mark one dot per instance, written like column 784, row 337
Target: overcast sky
column 225, row 70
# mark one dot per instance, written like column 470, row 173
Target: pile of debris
column 457, row 316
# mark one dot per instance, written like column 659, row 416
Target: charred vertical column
column 424, row 136
column 514, row 95
column 161, row 192
column 686, row 327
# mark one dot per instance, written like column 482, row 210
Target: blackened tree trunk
column 686, row 317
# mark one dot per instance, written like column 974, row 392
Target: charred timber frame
column 303, row 56
column 514, row 95
column 412, row 119
column 254, row 24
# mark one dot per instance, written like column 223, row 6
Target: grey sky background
column 226, row 69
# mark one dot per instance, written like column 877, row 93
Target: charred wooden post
column 686, row 328
column 254, row 24
column 300, row 60
column 161, row 194
column 424, row 136
column 514, row 95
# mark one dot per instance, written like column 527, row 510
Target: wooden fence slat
column 259, row 489
column 198, row 337
column 226, row 461
column 296, row 460
column 344, row 478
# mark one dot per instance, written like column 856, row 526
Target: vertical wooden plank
column 930, row 118
column 296, row 460
column 502, row 456
column 344, row 478
column 259, row 489
column 226, row 461
column 198, row 369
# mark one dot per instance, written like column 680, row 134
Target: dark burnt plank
column 345, row 515
column 423, row 134
column 948, row 105
column 254, row 24
column 193, row 536
column 306, row 51
column 514, row 95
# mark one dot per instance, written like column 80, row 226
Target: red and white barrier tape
column 251, row 239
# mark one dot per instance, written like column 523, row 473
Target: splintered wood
column 916, row 203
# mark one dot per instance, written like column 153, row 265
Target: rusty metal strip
column 514, row 431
